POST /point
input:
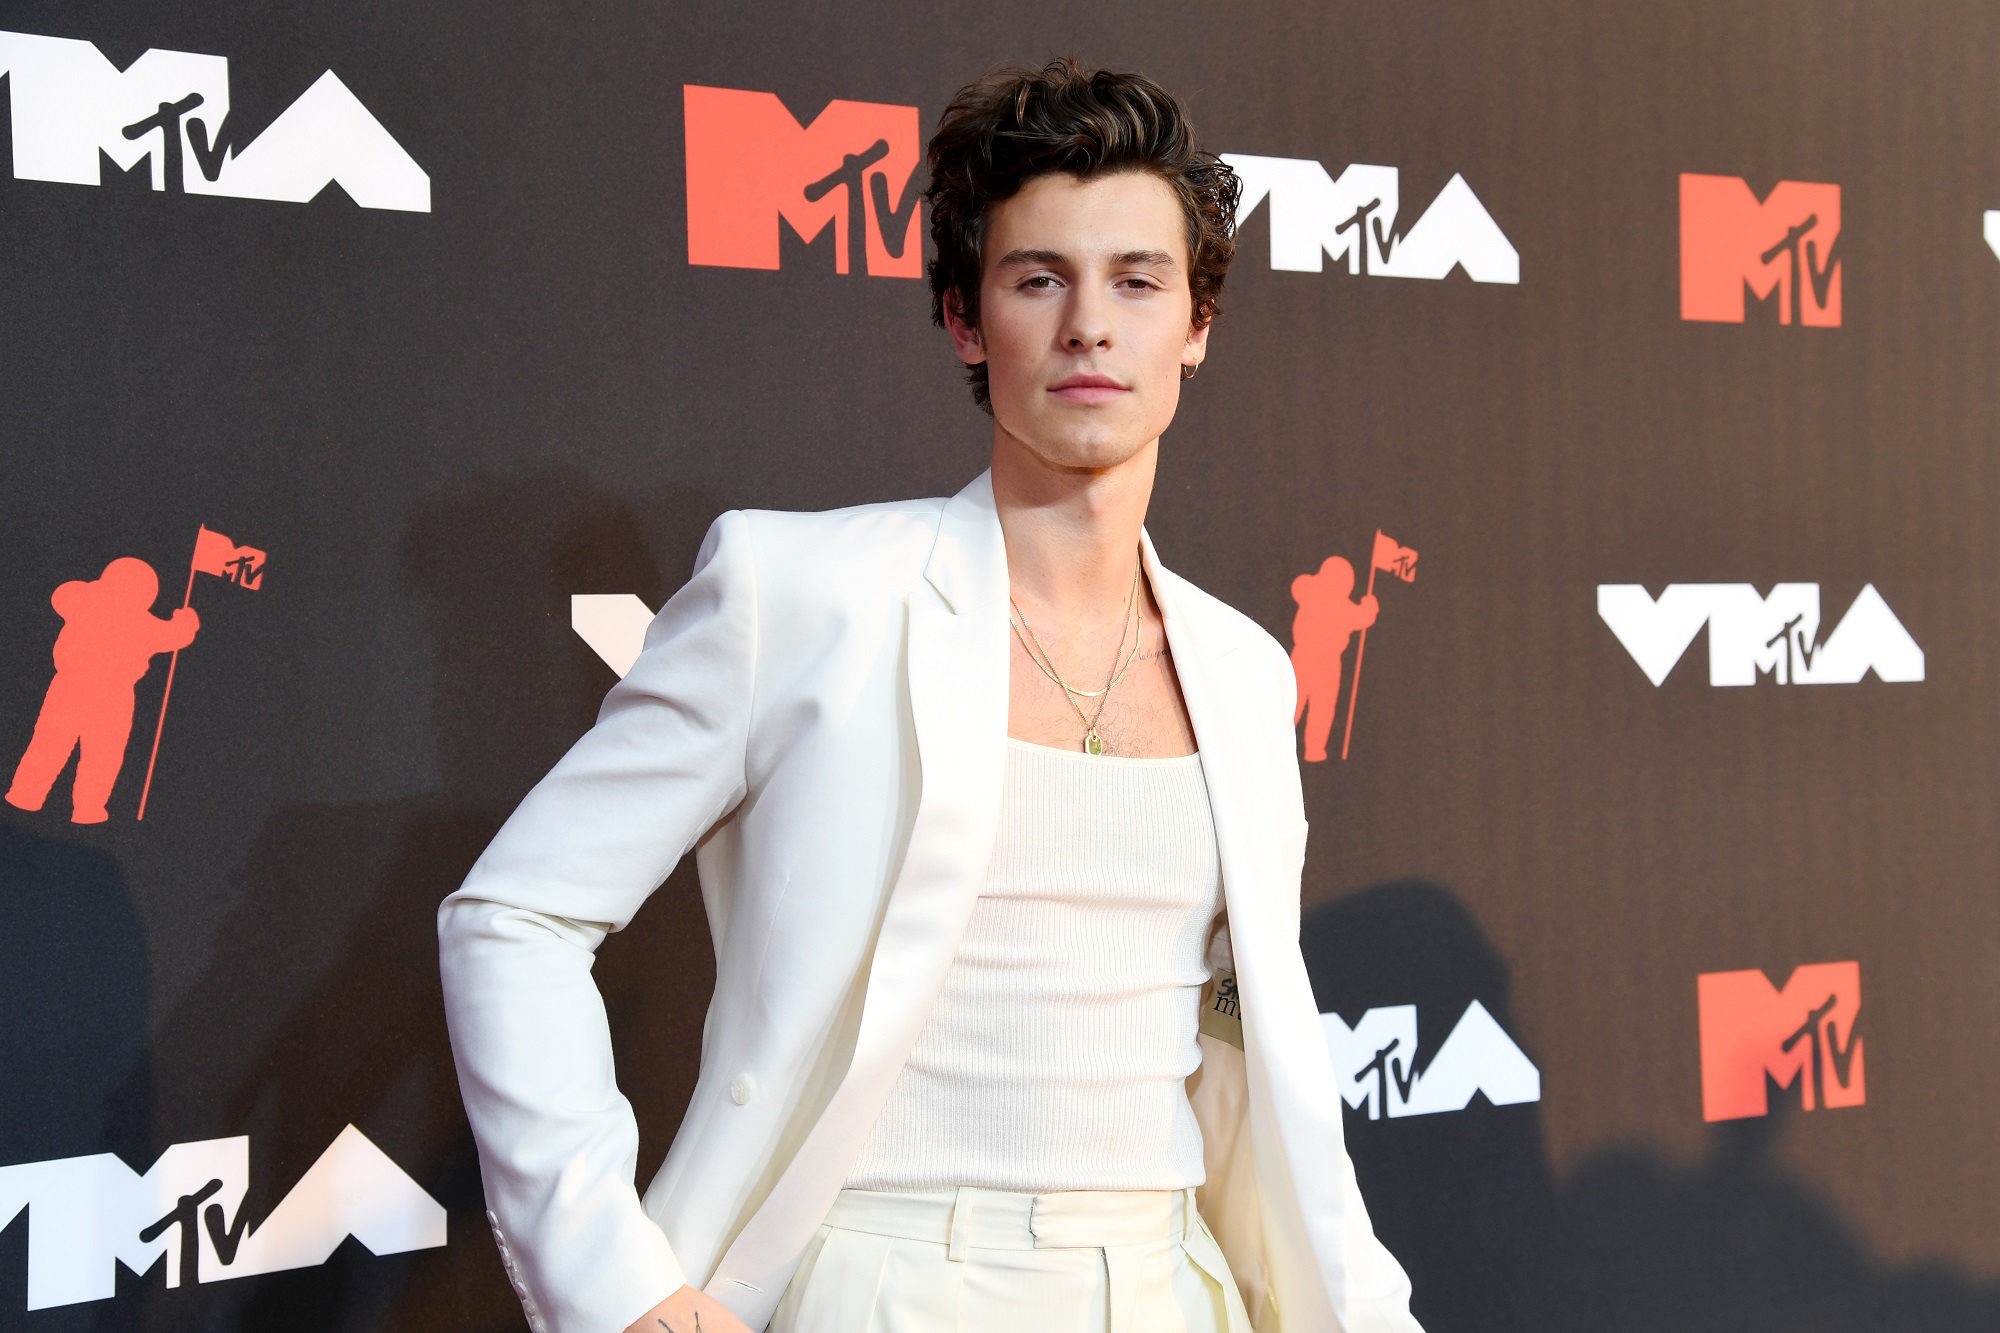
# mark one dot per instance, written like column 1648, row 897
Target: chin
column 1074, row 444
column 1087, row 453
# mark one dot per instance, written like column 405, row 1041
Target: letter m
column 1751, row 1031
column 69, row 104
column 750, row 163
column 86, row 1216
column 1785, row 244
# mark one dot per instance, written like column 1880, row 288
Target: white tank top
column 1057, row 1054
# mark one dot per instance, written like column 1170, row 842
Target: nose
column 1087, row 320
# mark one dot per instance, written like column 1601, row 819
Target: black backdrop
column 442, row 425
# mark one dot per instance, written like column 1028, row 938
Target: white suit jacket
column 821, row 715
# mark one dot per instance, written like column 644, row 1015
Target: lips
column 1089, row 389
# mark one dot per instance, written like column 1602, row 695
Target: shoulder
column 1224, row 630
column 835, row 553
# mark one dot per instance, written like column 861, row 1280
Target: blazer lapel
column 1223, row 738
column 1294, row 1101
column 957, row 662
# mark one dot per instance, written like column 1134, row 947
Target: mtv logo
column 1752, row 636
column 1374, row 1064
column 1751, row 1030
column 88, row 1214
column 1314, row 216
column 1786, row 244
column 70, row 104
column 750, row 164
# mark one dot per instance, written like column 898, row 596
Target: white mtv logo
column 69, row 104
column 1354, row 218
column 1374, row 1064
column 86, row 1215
column 1751, row 635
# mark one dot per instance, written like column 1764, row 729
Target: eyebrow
column 1124, row 259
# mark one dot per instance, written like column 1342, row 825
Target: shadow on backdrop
column 322, row 1004
column 72, row 960
column 1630, row 1242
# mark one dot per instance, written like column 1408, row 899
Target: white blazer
column 821, row 714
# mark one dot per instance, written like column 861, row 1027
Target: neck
column 1072, row 532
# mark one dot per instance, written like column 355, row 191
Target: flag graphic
column 218, row 555
column 1390, row 557
column 1394, row 559
column 213, row 554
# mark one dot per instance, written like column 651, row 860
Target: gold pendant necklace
column 1031, row 644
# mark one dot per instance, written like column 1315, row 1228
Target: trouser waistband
column 1006, row 1220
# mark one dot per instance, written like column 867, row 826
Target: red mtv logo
column 749, row 163
column 1750, row 1029
column 1785, row 244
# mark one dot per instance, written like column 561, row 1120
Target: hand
column 689, row 1311
column 185, row 615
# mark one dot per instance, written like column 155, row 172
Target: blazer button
column 741, row 1089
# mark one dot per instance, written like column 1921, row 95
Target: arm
column 178, row 630
column 558, row 1144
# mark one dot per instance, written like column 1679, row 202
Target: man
column 981, row 797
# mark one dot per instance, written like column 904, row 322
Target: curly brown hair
column 1015, row 124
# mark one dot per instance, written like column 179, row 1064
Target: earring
column 1187, row 372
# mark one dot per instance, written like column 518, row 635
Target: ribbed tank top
column 1057, row 1054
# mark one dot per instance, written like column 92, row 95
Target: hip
column 982, row 1261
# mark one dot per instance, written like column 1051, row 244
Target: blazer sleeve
column 558, row 1145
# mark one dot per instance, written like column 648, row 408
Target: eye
column 1040, row 282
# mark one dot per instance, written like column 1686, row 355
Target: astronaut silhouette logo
column 1787, row 243
column 1328, row 619
column 1753, row 1034
column 107, row 644
column 71, row 107
column 753, row 168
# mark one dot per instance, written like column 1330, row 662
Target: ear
column 1196, row 349
column 965, row 339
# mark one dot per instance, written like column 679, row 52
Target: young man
column 982, row 797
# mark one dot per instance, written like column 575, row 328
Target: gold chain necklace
column 1031, row 644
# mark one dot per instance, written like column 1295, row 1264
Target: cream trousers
column 992, row 1261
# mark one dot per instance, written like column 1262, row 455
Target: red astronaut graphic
column 108, row 641
column 1321, row 631
column 1326, row 622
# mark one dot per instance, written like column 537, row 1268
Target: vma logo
column 1787, row 244
column 86, row 1215
column 70, row 105
column 613, row 624
column 750, row 164
column 1752, row 636
column 1752, row 1032
column 1314, row 216
column 1375, row 1064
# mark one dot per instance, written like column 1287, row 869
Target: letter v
column 1655, row 633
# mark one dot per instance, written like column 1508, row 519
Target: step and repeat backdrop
column 1603, row 411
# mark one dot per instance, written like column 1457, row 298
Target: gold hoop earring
column 1187, row 372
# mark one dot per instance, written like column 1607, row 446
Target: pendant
column 1092, row 742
